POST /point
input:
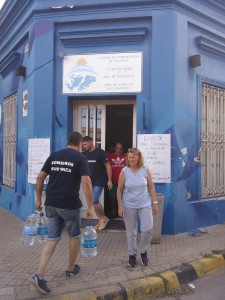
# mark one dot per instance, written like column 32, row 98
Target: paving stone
column 18, row 262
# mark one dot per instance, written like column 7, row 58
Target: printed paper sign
column 156, row 149
column 38, row 152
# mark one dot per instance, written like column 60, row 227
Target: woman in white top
column 136, row 198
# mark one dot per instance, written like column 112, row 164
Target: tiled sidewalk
column 18, row 262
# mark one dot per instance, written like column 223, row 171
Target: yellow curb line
column 134, row 289
column 170, row 280
column 92, row 294
column 151, row 286
column 208, row 265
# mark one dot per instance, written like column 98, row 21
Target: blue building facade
column 180, row 47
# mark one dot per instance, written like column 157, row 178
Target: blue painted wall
column 168, row 33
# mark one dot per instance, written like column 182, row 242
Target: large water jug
column 89, row 241
column 30, row 229
column 42, row 228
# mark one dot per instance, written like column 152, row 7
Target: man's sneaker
column 144, row 259
column 132, row 261
column 73, row 272
column 40, row 285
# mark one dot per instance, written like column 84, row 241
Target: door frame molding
column 105, row 102
column 77, row 119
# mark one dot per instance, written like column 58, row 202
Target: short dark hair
column 74, row 138
column 87, row 138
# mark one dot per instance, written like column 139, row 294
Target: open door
column 106, row 121
column 91, row 122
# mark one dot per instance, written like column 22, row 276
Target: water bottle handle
column 37, row 212
column 89, row 223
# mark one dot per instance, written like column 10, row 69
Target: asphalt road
column 211, row 287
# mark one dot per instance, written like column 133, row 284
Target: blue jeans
column 58, row 217
column 97, row 190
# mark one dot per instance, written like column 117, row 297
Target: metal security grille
column 9, row 140
column 213, row 141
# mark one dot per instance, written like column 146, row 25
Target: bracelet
column 155, row 202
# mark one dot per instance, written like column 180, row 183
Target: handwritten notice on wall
column 38, row 152
column 103, row 73
column 156, row 149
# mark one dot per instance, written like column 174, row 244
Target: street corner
column 208, row 265
column 188, row 272
column 170, row 279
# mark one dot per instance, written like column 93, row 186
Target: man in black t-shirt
column 101, row 175
column 67, row 169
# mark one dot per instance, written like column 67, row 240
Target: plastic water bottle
column 89, row 241
column 30, row 229
column 42, row 228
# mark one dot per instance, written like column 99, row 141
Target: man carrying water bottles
column 67, row 169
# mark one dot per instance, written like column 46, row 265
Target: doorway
column 107, row 122
column 119, row 128
column 119, row 125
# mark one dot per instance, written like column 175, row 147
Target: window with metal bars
column 212, row 141
column 9, row 140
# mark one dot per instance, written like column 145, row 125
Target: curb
column 154, row 285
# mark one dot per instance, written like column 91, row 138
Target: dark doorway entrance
column 119, row 125
column 119, row 128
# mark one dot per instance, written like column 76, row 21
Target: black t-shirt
column 96, row 161
column 65, row 168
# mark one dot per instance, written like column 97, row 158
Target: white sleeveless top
column 135, row 192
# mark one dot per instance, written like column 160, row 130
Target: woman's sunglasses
column 133, row 150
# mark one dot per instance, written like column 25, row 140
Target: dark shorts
column 58, row 218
